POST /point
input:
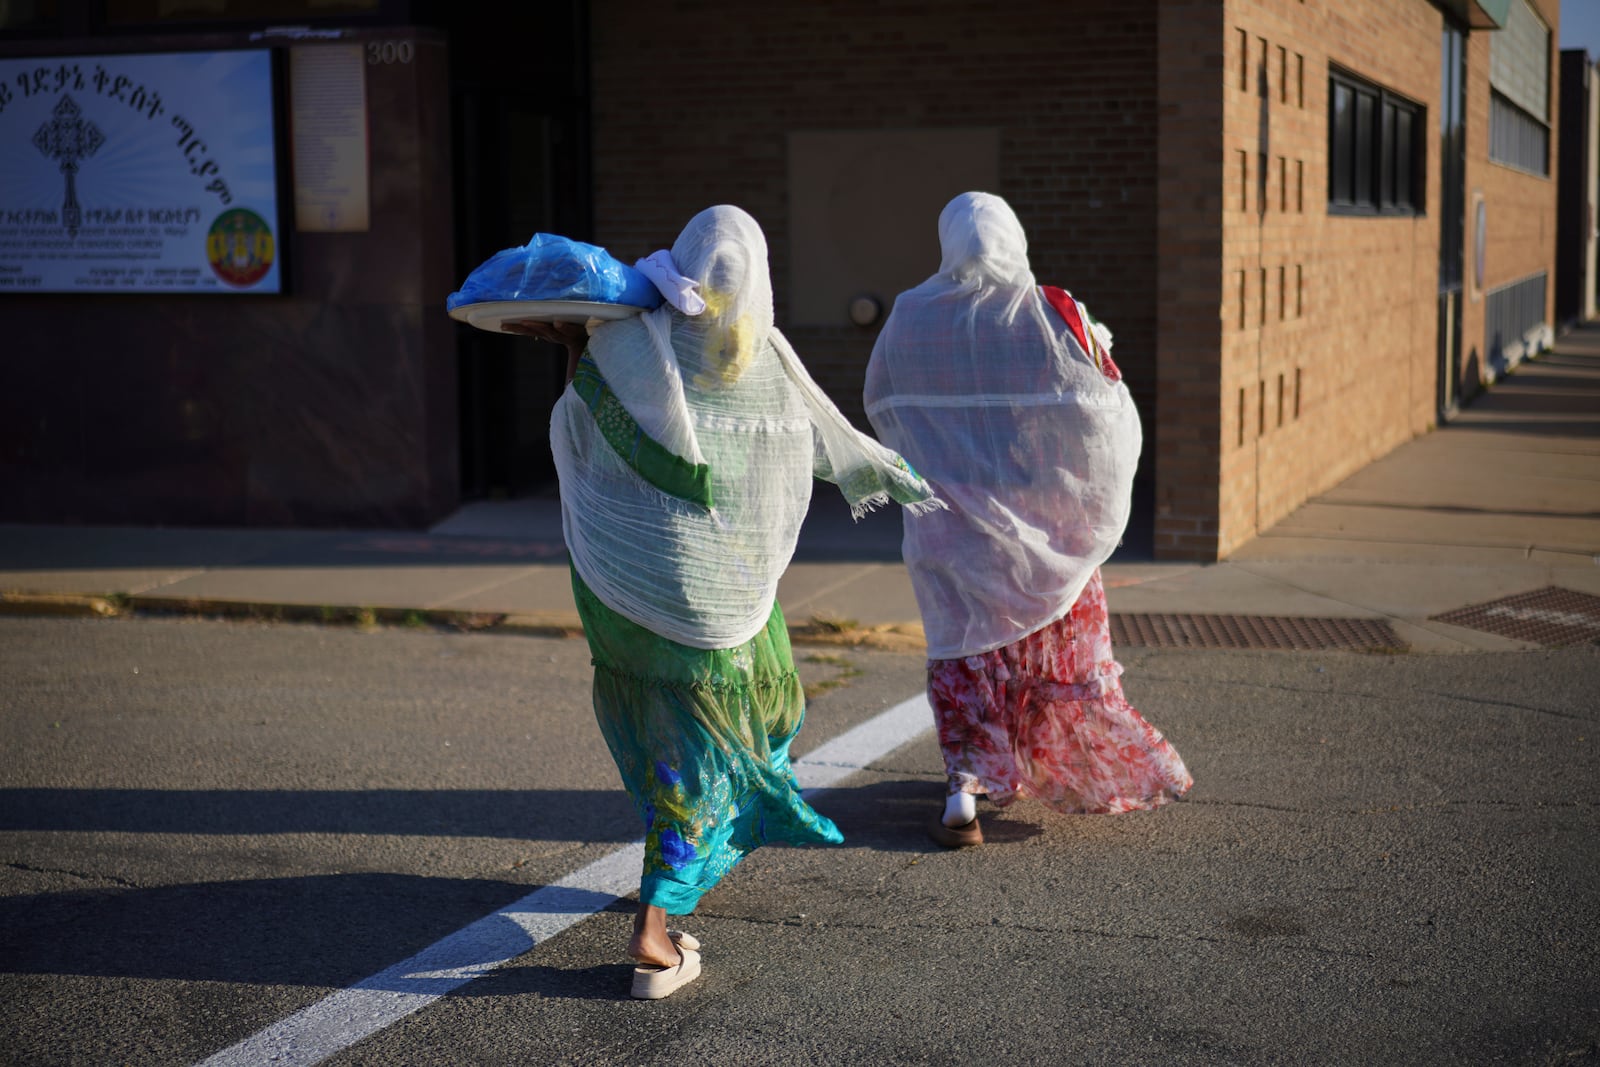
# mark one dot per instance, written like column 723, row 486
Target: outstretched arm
column 573, row 335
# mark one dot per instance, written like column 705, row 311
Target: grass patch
column 845, row 667
column 847, row 633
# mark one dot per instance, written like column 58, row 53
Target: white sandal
column 654, row 983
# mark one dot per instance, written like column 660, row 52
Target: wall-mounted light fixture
column 865, row 309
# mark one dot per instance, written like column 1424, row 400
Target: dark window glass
column 1452, row 166
column 1376, row 158
column 1342, row 151
column 1405, row 147
column 1386, row 157
column 1516, row 137
column 1363, row 155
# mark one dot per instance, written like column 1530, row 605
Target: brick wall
column 1328, row 321
column 1519, row 208
column 693, row 103
column 1169, row 161
column 1191, row 169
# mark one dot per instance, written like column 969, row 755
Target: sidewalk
column 1503, row 501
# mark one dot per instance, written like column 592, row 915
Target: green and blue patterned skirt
column 701, row 739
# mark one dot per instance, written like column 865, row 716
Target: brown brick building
column 1171, row 161
column 1353, row 320
column 1315, row 227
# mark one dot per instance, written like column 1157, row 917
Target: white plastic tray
column 492, row 315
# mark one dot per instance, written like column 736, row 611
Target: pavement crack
column 1570, row 716
column 1510, row 805
column 1408, row 696
column 1298, row 587
column 1280, row 943
column 1389, row 541
column 1284, row 943
column 80, row 875
column 1146, row 677
column 1255, row 805
column 1386, row 809
column 880, row 885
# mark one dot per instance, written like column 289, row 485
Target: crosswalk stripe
column 341, row 1019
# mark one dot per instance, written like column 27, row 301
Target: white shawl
column 981, row 385
column 721, row 388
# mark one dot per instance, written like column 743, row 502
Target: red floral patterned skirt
column 1045, row 717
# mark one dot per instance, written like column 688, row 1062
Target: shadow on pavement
column 1530, row 427
column 320, row 930
column 894, row 816
column 889, row 816
column 603, row 982
column 333, row 930
column 532, row 814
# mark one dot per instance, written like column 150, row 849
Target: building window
column 1516, row 138
column 1375, row 150
column 1514, row 321
column 1519, row 101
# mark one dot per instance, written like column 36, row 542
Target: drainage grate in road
column 1252, row 631
column 1551, row 616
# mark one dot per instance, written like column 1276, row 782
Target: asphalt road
column 206, row 827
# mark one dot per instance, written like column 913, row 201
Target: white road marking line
column 862, row 745
column 341, row 1019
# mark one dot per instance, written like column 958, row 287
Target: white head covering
column 981, row 385
column 721, row 388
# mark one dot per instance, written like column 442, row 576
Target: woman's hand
column 573, row 335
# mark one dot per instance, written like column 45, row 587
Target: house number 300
column 388, row 52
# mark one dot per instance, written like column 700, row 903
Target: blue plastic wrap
column 550, row 267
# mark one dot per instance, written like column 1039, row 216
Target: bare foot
column 651, row 946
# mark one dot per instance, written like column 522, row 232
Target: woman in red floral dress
column 1003, row 395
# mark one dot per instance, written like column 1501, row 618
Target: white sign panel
column 328, row 120
column 138, row 173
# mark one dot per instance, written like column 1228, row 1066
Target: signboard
column 328, row 120
column 139, row 173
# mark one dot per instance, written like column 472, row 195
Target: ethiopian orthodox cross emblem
column 69, row 138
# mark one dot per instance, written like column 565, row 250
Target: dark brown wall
column 334, row 405
column 693, row 103
column 1185, row 443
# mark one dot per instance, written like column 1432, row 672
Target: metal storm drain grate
column 1551, row 616
column 1252, row 631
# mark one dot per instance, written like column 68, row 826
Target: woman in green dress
column 686, row 444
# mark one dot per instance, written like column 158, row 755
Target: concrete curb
column 61, row 604
column 118, row 605
column 542, row 624
column 1416, row 635
column 327, row 614
column 894, row 637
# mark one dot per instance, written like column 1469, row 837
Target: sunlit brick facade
column 1303, row 267
column 1171, row 163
